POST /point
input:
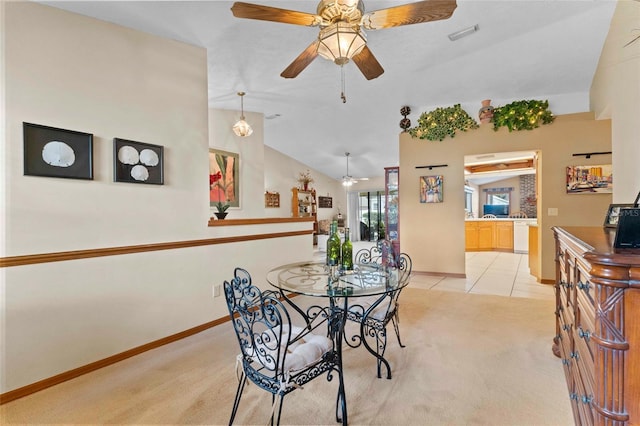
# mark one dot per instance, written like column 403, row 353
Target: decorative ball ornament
column 405, row 123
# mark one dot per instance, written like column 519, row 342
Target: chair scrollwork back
column 276, row 355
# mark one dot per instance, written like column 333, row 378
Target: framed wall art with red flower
column 224, row 179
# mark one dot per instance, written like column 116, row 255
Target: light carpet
column 469, row 360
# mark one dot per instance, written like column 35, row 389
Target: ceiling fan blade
column 368, row 64
column 407, row 14
column 274, row 14
column 302, row 61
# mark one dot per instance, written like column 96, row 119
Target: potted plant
column 216, row 181
column 304, row 179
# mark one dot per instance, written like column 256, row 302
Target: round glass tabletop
column 317, row 279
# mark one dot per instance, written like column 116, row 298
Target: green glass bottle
column 347, row 252
column 333, row 246
column 329, row 243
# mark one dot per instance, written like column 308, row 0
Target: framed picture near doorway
column 431, row 189
column 224, row 177
column 590, row 179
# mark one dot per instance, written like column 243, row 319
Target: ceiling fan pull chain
column 342, row 95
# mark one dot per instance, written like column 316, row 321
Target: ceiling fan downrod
column 342, row 87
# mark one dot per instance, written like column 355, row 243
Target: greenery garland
column 522, row 115
column 442, row 122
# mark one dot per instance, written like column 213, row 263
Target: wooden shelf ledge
column 258, row 221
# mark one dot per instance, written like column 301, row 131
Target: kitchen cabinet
column 534, row 256
column 471, row 236
column 504, row 235
column 486, row 235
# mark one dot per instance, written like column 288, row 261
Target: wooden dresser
column 598, row 325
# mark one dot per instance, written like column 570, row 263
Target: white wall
column 615, row 94
column 281, row 173
column 73, row 72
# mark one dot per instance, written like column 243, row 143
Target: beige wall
column 615, row 94
column 281, row 174
column 433, row 234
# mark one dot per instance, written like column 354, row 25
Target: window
column 498, row 199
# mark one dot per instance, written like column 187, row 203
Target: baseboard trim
column 439, row 274
column 77, row 372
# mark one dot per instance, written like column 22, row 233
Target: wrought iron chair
column 277, row 355
column 373, row 313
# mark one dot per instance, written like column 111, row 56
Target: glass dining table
column 336, row 287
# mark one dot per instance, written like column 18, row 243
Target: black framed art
column 325, row 202
column 137, row 162
column 613, row 214
column 53, row 152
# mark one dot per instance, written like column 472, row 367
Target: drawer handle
column 575, row 355
column 583, row 286
column 565, row 361
column 587, row 399
column 584, row 334
column 573, row 396
column 566, row 327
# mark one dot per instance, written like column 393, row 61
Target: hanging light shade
column 242, row 128
column 340, row 41
column 347, row 180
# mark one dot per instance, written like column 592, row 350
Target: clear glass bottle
column 333, row 246
column 347, row 252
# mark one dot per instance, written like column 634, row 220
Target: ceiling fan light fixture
column 242, row 128
column 463, row 32
column 341, row 41
column 347, row 180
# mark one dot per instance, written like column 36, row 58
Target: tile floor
column 488, row 272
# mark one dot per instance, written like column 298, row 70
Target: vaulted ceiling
column 523, row 50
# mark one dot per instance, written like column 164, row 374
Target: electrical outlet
column 552, row 211
column 216, row 290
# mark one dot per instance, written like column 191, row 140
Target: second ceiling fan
column 342, row 24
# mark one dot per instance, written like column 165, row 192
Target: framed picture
column 53, row 152
column 431, row 189
column 137, row 162
column 224, row 177
column 611, row 220
column 592, row 179
column 325, row 202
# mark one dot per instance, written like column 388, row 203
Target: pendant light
column 242, row 128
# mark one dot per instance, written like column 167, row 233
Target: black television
column 495, row 209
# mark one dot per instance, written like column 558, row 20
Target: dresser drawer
column 582, row 403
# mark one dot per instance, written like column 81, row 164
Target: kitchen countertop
column 504, row 219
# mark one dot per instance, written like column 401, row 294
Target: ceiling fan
column 348, row 180
column 342, row 24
